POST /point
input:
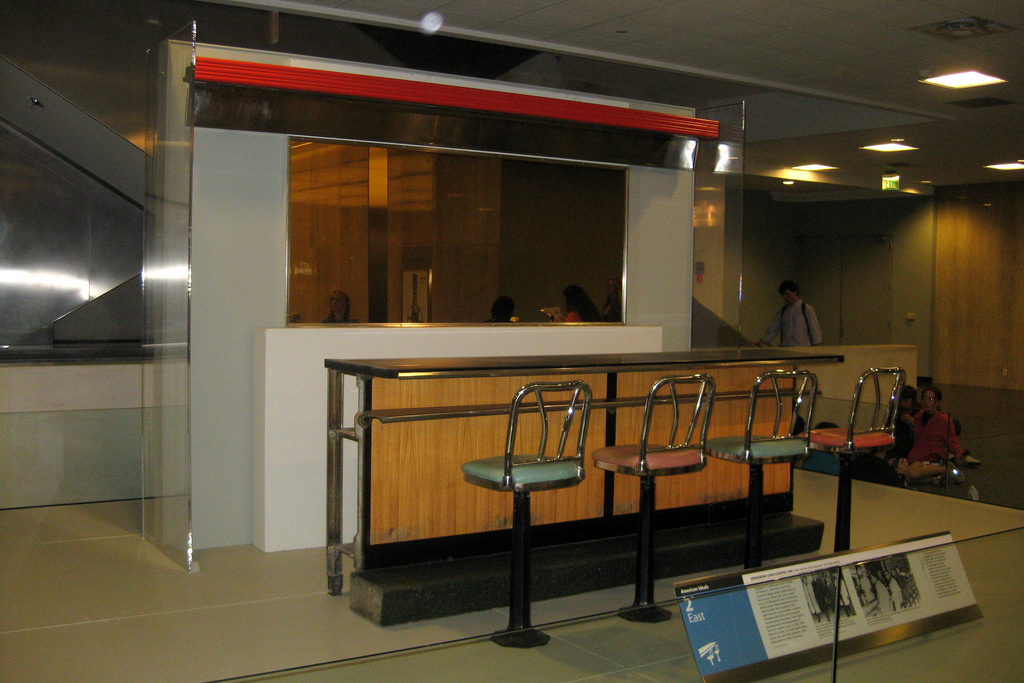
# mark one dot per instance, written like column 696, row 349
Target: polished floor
column 84, row 598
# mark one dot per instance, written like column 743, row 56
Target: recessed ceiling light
column 788, row 182
column 814, row 167
column 889, row 147
column 966, row 79
column 1015, row 166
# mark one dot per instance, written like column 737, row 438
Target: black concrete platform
column 399, row 595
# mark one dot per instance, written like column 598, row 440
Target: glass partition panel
column 718, row 233
column 69, row 456
column 985, row 649
column 402, row 235
column 166, row 279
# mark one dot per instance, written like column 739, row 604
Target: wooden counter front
column 419, row 420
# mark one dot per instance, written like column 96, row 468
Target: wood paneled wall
column 361, row 218
column 979, row 285
column 417, row 488
column 327, row 229
column 418, row 491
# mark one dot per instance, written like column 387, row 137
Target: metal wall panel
column 65, row 238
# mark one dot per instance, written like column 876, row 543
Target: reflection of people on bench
column 903, row 435
column 935, row 444
column 612, row 311
column 579, row 307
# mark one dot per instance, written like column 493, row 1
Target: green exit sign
column 890, row 182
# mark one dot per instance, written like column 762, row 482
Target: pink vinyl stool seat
column 647, row 461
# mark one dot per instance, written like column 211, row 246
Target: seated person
column 934, row 440
column 874, row 467
column 612, row 312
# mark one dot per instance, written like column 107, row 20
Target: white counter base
column 290, row 454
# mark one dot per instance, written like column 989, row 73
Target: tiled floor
column 84, row 598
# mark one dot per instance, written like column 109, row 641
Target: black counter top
column 494, row 366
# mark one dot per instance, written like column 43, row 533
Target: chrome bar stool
column 648, row 460
column 757, row 450
column 523, row 473
column 869, row 430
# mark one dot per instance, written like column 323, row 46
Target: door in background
column 848, row 280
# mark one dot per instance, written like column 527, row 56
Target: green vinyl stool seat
column 520, row 473
column 526, row 472
column 763, row 449
column 781, row 444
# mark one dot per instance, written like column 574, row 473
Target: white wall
column 240, row 204
column 659, row 253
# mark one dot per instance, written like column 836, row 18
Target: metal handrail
column 396, row 415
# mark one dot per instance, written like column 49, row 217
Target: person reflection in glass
column 612, row 312
column 341, row 306
column 503, row 310
column 579, row 307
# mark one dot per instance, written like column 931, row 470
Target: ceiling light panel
column 814, row 167
column 965, row 79
column 889, row 147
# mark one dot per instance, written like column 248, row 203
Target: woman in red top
column 934, row 440
column 580, row 308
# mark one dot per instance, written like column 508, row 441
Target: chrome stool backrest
column 579, row 402
column 699, row 419
column 883, row 418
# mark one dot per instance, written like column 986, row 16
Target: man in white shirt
column 796, row 322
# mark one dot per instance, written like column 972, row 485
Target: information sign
column 748, row 625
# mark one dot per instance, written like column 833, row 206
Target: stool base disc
column 649, row 614
column 524, row 638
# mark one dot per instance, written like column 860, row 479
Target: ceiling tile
column 797, row 15
column 624, row 30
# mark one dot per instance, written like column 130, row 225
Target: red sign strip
column 232, row 72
